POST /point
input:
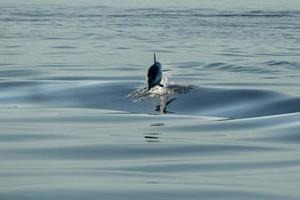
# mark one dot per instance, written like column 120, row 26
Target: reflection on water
column 162, row 107
column 154, row 136
column 157, row 124
column 151, row 137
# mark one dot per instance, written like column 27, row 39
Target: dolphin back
column 154, row 75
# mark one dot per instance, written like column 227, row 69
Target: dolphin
column 154, row 74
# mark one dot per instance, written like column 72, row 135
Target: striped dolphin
column 154, row 74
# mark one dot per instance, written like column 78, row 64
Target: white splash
column 158, row 90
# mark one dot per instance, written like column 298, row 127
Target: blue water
column 77, row 123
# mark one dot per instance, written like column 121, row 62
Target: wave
column 180, row 99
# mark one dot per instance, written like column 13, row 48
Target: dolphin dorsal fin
column 154, row 58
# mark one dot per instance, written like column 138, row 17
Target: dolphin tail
column 154, row 58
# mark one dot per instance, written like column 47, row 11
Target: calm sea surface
column 76, row 123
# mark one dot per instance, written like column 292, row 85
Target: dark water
column 75, row 122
